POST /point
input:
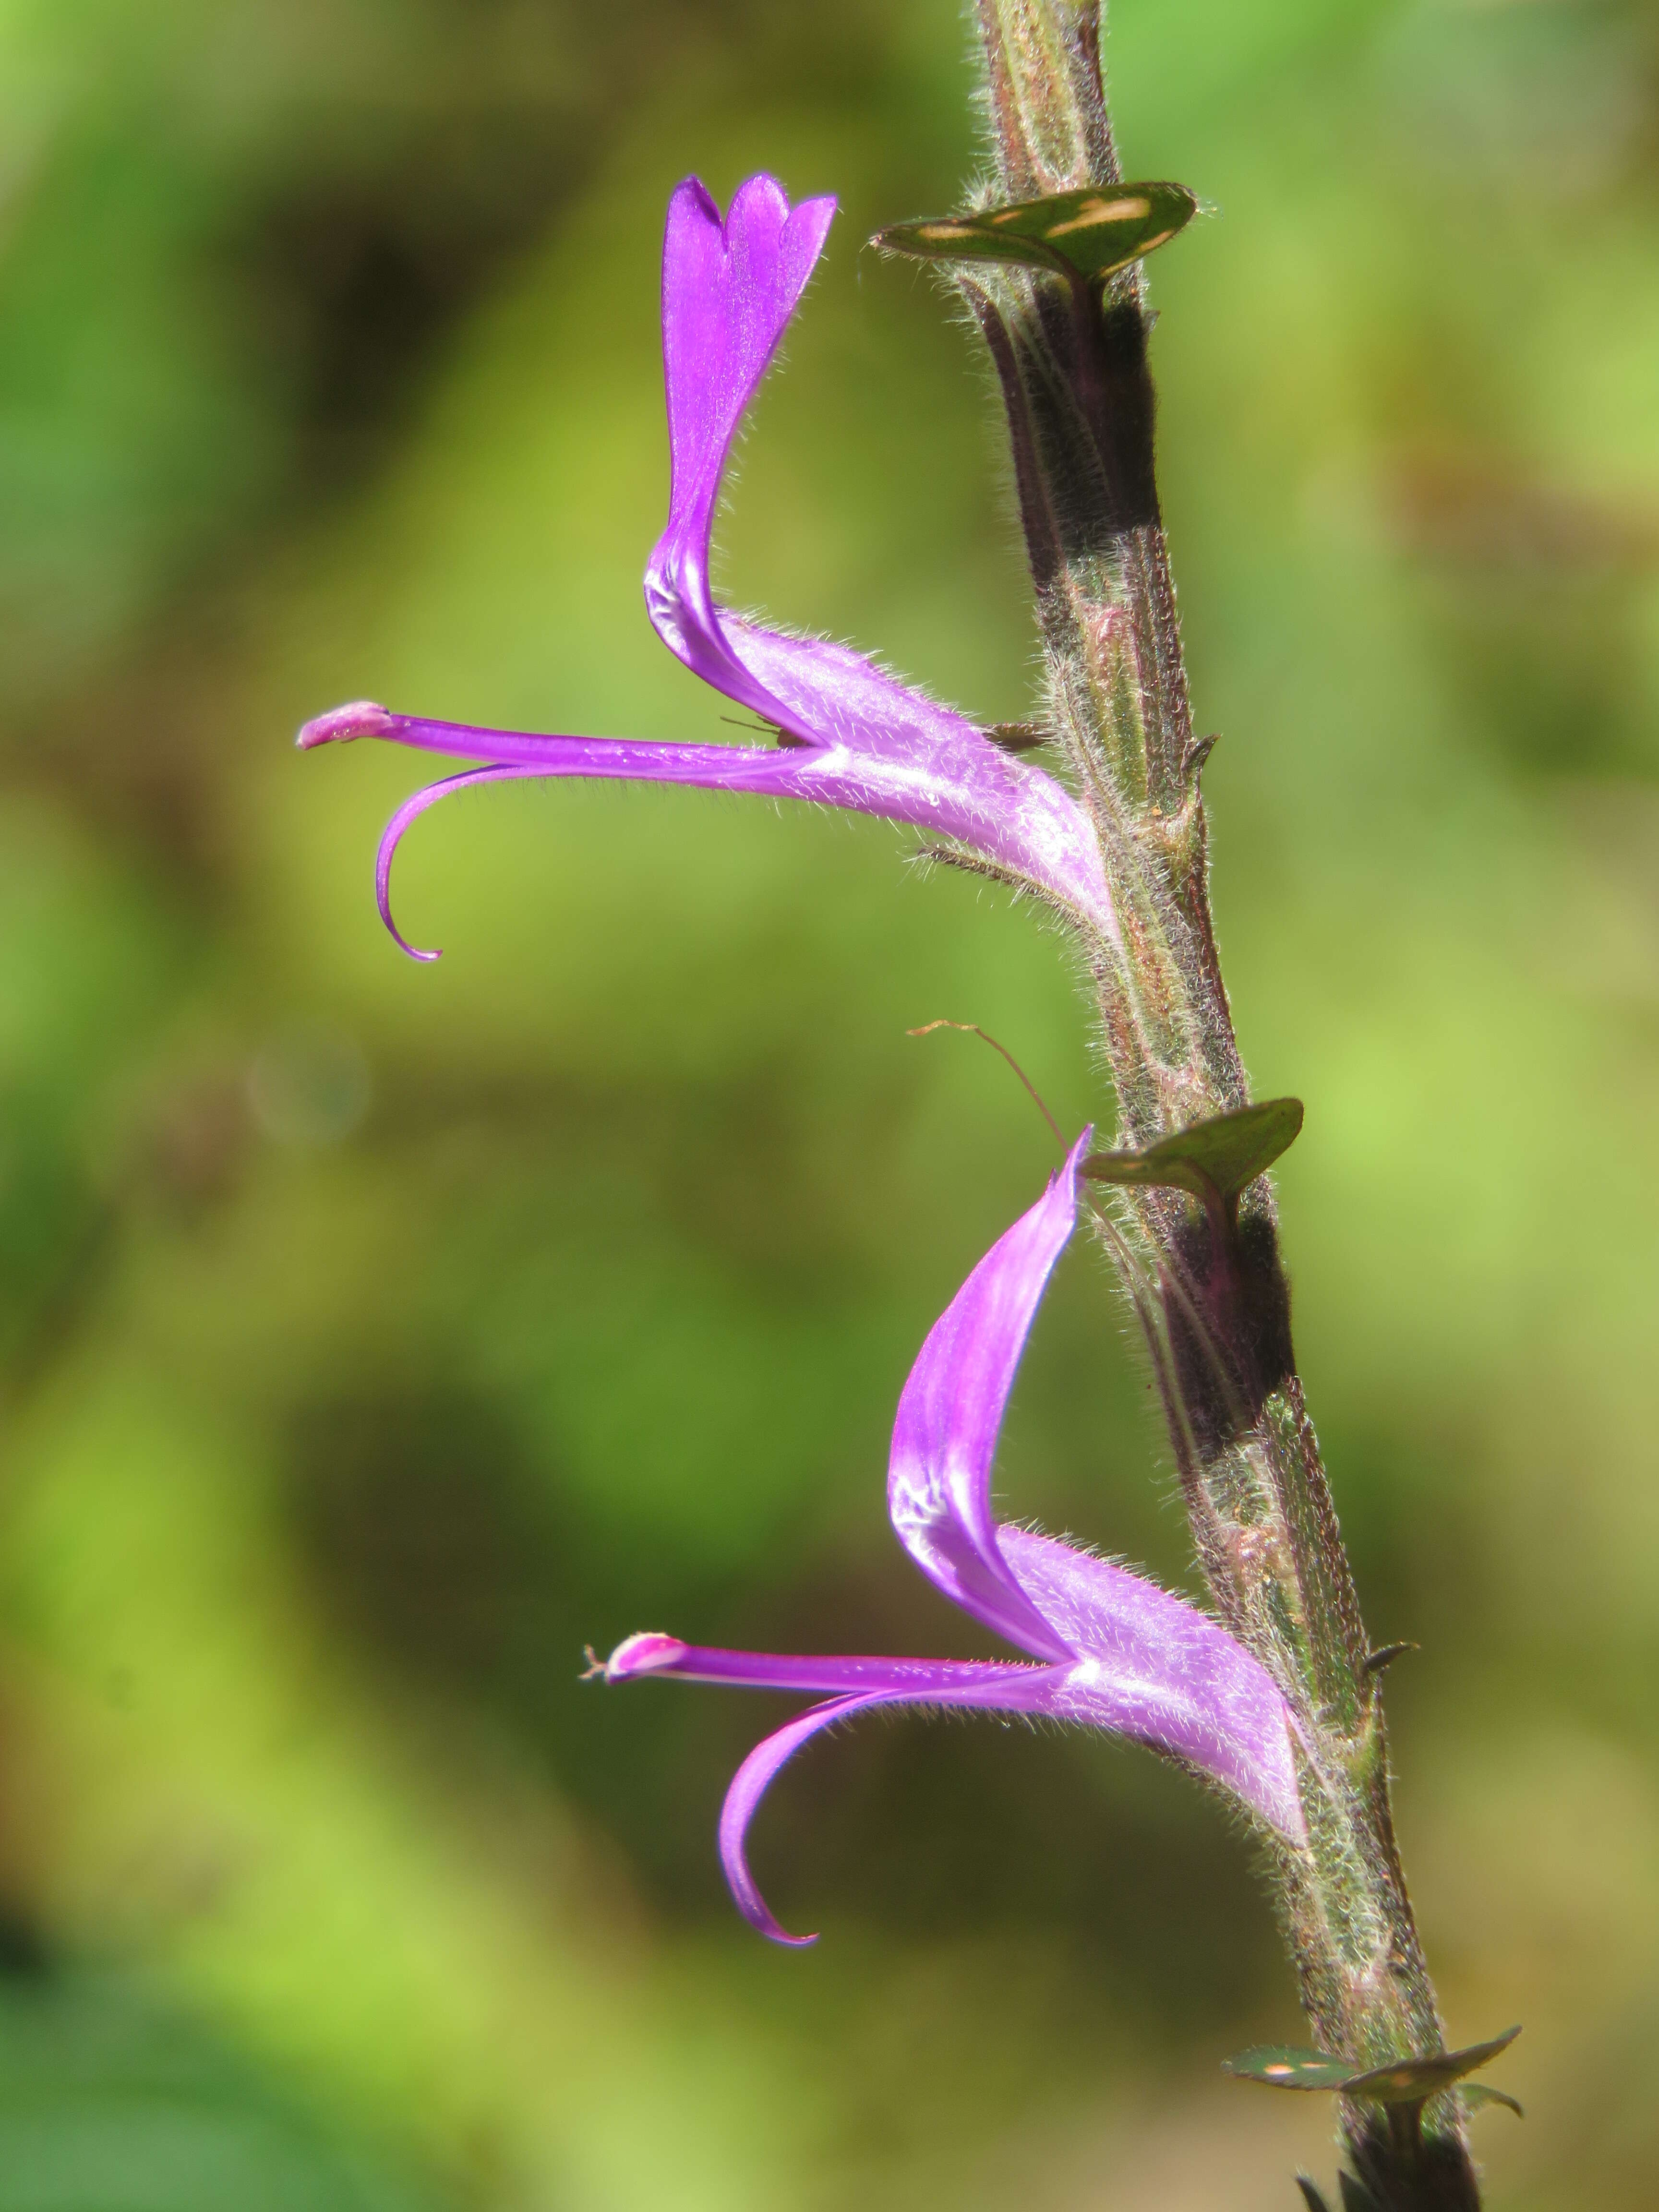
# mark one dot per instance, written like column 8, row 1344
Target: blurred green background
column 372, row 1337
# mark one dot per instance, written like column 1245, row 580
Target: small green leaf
column 1409, row 2080
column 1093, row 233
column 1282, row 2066
column 1221, row 1155
column 1474, row 2094
column 1403, row 2081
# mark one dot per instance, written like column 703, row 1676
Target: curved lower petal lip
column 1013, row 823
column 1085, row 1691
column 1193, row 1694
column 748, row 1785
column 406, row 816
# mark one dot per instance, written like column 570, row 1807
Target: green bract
column 1093, row 233
column 1220, row 1156
column 1404, row 2081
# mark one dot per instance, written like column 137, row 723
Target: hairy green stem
column 1072, row 363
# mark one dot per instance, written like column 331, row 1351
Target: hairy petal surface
column 1182, row 1682
column 854, row 737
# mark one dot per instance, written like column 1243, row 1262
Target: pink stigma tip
column 361, row 719
column 643, row 1655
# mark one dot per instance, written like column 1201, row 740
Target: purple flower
column 849, row 735
column 1109, row 1648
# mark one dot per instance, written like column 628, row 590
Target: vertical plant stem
column 1209, row 1288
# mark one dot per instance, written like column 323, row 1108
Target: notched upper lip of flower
column 1104, row 1646
column 852, row 736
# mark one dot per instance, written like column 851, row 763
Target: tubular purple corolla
column 1108, row 1649
column 852, row 737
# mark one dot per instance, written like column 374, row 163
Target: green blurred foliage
column 374, row 1337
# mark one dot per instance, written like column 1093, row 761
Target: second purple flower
column 1107, row 1648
